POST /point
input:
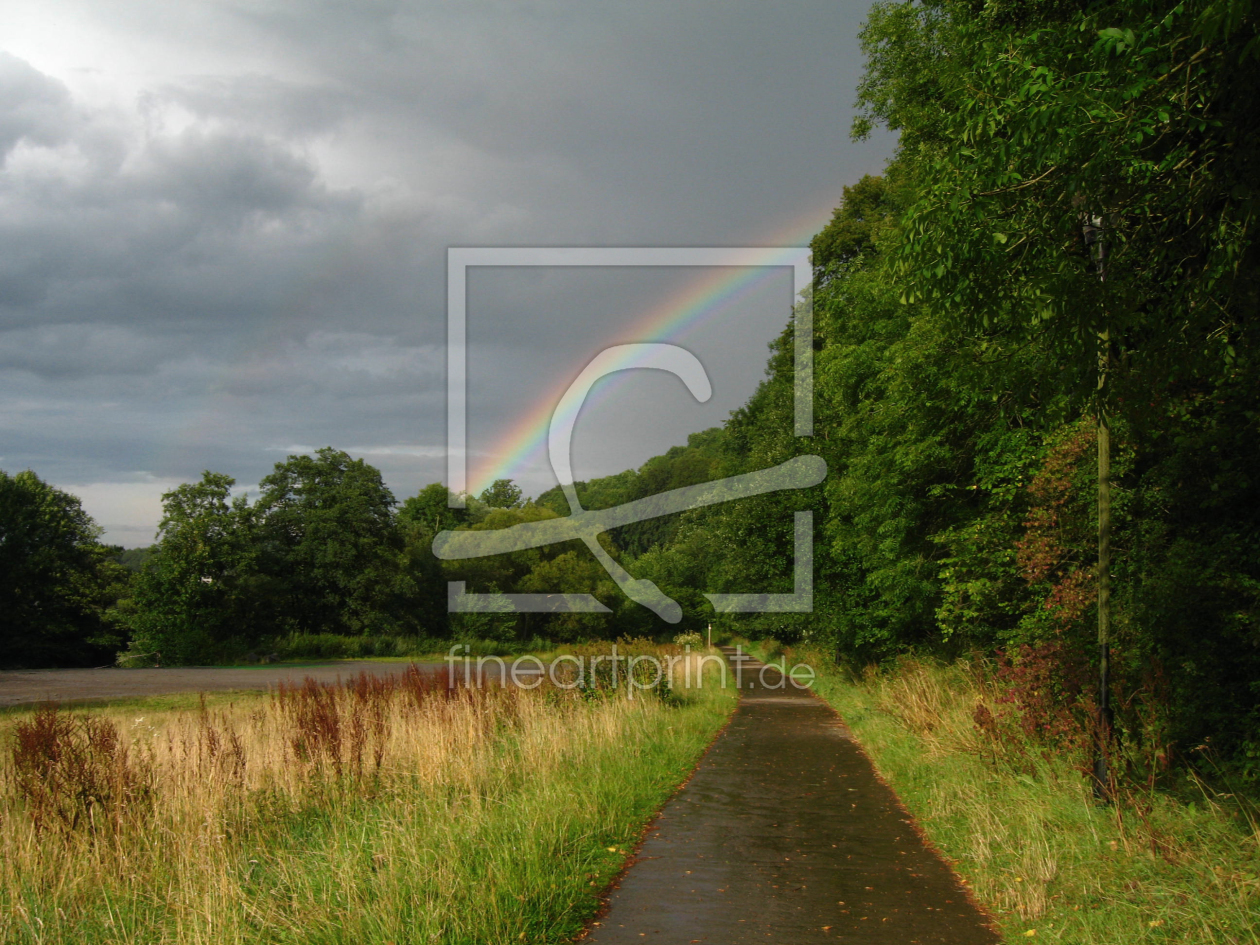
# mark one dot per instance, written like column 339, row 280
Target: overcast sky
column 223, row 225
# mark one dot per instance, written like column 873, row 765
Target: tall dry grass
column 1018, row 817
column 376, row 810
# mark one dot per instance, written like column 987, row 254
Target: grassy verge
column 299, row 647
column 1021, row 825
column 130, row 706
column 365, row 813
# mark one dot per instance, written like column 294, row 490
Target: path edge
column 604, row 896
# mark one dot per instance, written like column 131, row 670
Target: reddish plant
column 74, row 772
column 345, row 725
column 1044, row 690
column 1055, row 531
column 313, row 712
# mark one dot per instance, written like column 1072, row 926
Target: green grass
column 319, row 649
column 169, row 702
column 495, row 819
column 322, row 647
column 1022, row 827
column 331, row 646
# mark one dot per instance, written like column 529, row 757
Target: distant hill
column 133, row 559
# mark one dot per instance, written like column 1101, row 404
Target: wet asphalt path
column 785, row 835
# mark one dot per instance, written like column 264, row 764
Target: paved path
column 785, row 834
column 23, row 687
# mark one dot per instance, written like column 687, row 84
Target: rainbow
column 212, row 415
column 701, row 302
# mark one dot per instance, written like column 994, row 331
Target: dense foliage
column 58, row 584
column 321, row 550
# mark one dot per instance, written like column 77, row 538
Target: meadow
column 372, row 811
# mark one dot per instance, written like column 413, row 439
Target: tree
column 329, row 541
column 572, row 572
column 194, row 593
column 58, row 584
column 851, row 233
column 430, row 510
column 321, row 550
column 421, row 517
column 503, row 494
column 1021, row 123
column 504, row 572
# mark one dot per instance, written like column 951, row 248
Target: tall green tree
column 329, row 540
column 320, row 551
column 196, row 591
column 421, row 517
column 58, row 584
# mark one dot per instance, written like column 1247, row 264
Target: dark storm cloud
column 201, row 224
column 60, row 351
column 223, row 225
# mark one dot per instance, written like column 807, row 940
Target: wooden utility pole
column 1102, row 774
